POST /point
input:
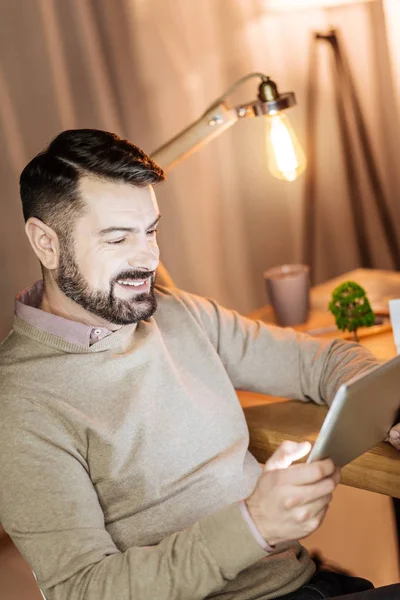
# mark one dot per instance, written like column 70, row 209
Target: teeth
column 131, row 283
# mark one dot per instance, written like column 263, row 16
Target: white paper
column 394, row 308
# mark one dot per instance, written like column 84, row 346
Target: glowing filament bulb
column 286, row 159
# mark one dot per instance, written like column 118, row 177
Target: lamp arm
column 213, row 122
column 217, row 118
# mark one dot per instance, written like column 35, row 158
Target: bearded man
column 124, row 464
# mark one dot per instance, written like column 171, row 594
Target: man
column 123, row 449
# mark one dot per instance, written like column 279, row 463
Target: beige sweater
column 121, row 464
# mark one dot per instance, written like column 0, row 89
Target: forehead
column 108, row 202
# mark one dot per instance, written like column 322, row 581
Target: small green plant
column 351, row 308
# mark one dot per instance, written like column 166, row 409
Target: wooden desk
column 272, row 420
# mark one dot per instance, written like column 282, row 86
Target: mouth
column 139, row 286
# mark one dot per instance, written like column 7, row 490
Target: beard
column 105, row 304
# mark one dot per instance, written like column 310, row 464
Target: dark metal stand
column 345, row 92
column 346, row 101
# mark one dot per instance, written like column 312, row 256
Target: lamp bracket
column 258, row 108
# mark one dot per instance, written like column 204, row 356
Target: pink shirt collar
column 27, row 304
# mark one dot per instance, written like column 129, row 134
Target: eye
column 152, row 232
column 114, row 242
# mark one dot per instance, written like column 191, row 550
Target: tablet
column 361, row 415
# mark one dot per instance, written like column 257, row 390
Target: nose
column 144, row 256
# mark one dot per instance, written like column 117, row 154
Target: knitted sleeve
column 272, row 360
column 50, row 509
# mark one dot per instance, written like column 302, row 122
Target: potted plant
column 351, row 308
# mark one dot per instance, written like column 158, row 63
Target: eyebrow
column 127, row 229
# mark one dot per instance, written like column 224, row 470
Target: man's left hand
column 394, row 436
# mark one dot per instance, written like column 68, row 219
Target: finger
column 317, row 520
column 319, row 517
column 305, row 494
column 287, row 453
column 312, row 510
column 304, row 474
column 394, row 436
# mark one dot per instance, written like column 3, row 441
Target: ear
column 44, row 242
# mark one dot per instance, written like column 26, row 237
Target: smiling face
column 108, row 264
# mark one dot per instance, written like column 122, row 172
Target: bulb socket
column 268, row 90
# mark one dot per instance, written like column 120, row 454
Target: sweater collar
column 53, row 328
column 119, row 341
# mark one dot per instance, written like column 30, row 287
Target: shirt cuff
column 253, row 528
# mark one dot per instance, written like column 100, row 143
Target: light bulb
column 286, row 159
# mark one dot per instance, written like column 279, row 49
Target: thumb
column 287, row 453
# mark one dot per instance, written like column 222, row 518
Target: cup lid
column 286, row 270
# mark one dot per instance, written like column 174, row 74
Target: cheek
column 98, row 266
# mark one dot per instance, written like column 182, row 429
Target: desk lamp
column 286, row 159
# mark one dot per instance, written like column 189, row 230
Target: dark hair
column 49, row 183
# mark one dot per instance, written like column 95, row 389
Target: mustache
column 134, row 274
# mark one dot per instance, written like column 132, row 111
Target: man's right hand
column 290, row 502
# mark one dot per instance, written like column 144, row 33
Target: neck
column 54, row 301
